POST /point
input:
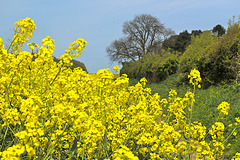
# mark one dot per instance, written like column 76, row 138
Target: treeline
column 215, row 53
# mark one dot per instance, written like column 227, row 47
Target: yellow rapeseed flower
column 49, row 110
column 224, row 107
column 195, row 78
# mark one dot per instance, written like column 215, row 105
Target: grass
column 163, row 88
column 207, row 101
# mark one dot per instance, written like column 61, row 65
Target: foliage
column 143, row 35
column 234, row 21
column 49, row 111
column 219, row 30
column 154, row 67
column 178, row 42
column 221, row 61
column 196, row 32
column 122, row 50
column 196, row 51
column 207, row 101
column 215, row 57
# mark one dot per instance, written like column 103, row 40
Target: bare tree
column 123, row 49
column 141, row 36
column 168, row 32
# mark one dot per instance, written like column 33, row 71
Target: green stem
column 56, row 76
column 11, row 44
column 230, row 135
column 4, row 138
column 53, row 147
column 42, row 85
column 190, row 120
column 53, row 79
column 36, row 75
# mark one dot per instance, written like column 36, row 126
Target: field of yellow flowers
column 49, row 111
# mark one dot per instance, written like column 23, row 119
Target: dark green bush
column 217, row 58
column 221, row 62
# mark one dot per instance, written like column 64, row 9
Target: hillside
column 207, row 101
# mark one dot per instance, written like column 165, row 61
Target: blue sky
column 100, row 22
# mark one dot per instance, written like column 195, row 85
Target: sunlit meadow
column 49, row 111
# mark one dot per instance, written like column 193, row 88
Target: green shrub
column 207, row 101
column 196, row 51
column 221, row 62
column 154, row 67
column 215, row 57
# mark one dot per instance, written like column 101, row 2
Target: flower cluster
column 116, row 68
column 236, row 157
column 32, row 45
column 23, row 31
column 76, row 46
column 195, row 78
column 48, row 45
column 48, row 111
column 224, row 107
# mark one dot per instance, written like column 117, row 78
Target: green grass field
column 207, row 101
